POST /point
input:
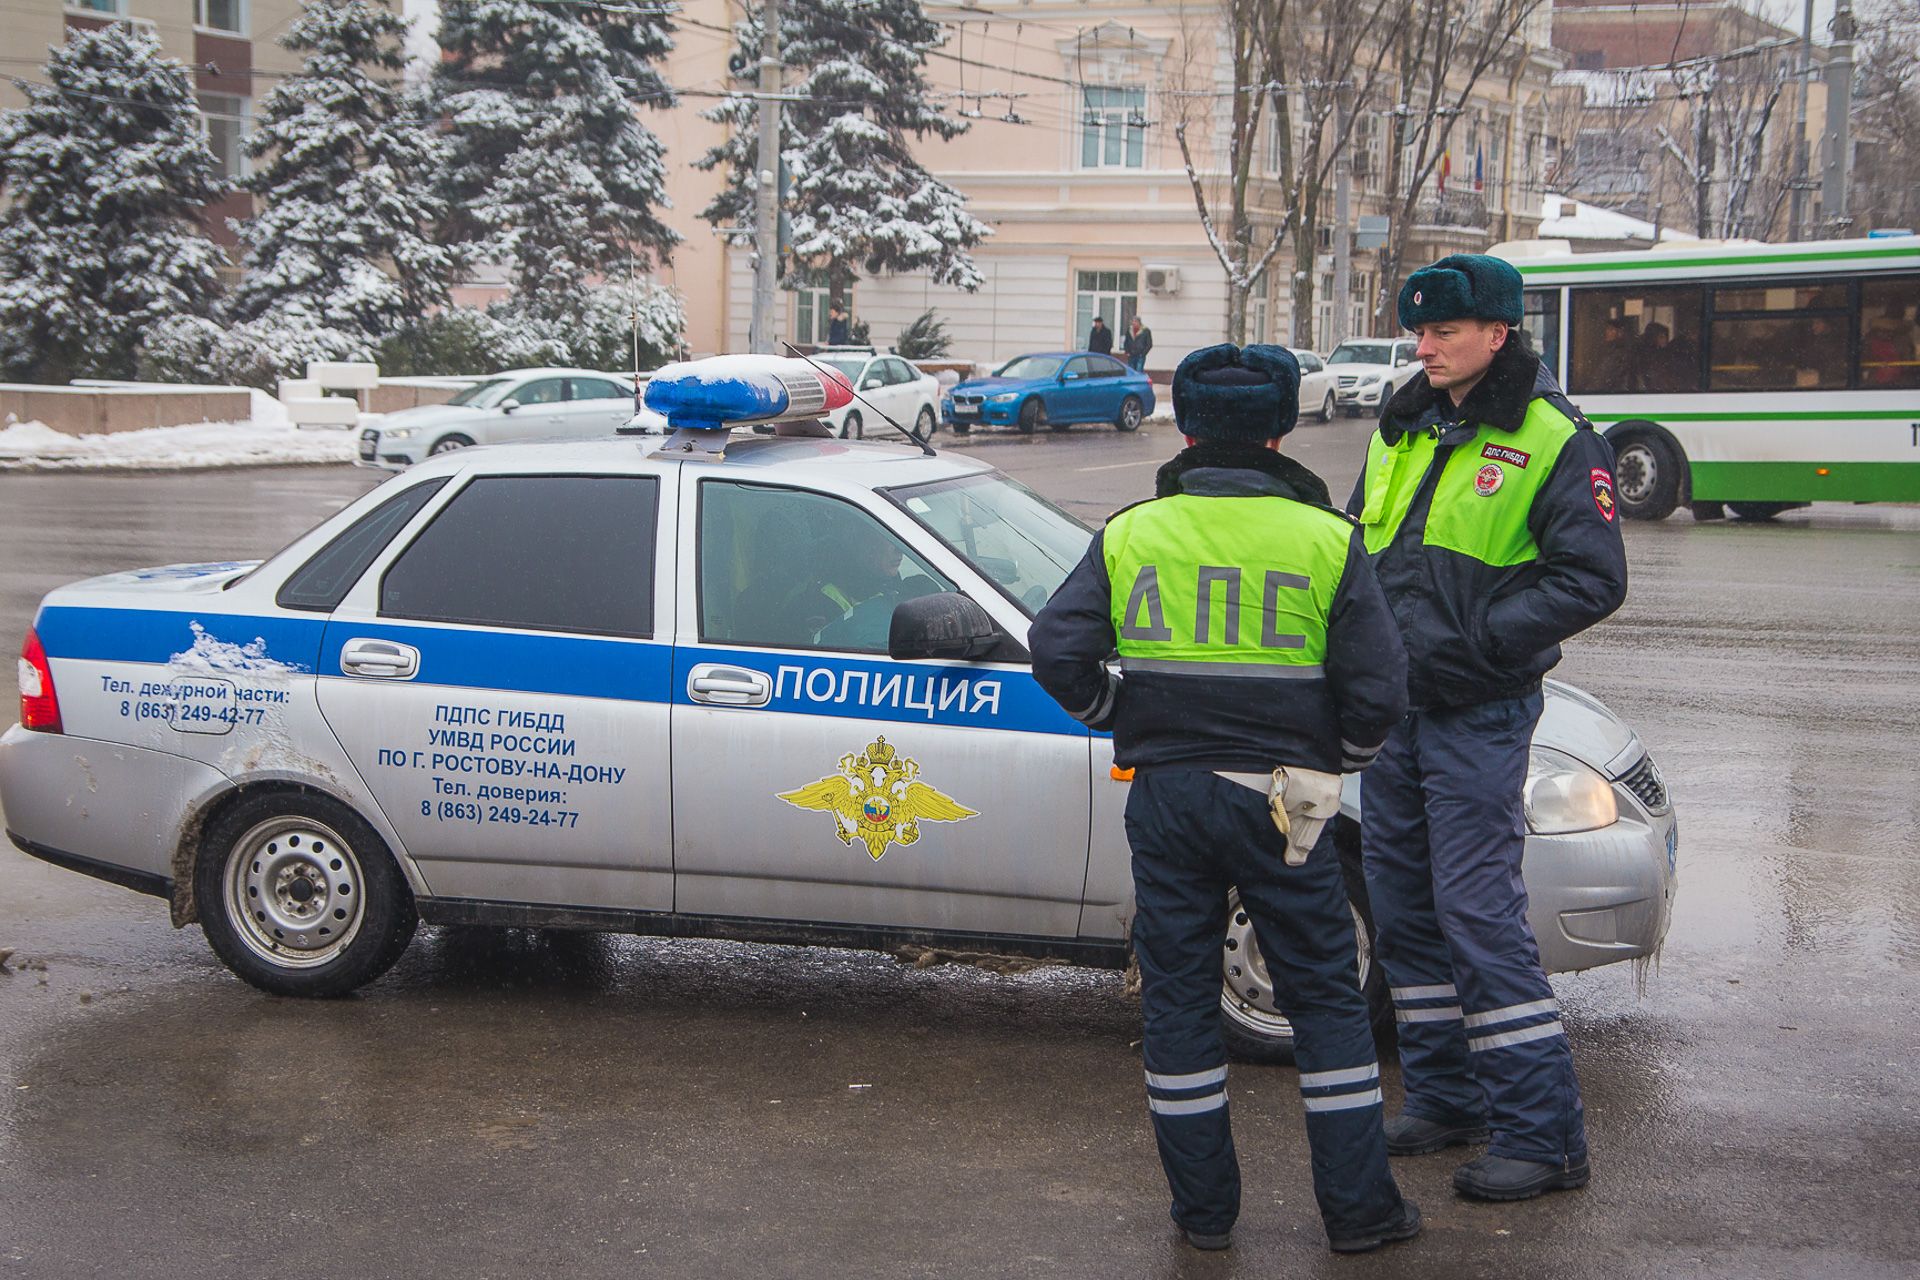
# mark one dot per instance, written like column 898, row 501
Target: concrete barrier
column 80, row 411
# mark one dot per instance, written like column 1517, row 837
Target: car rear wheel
column 852, row 428
column 926, row 423
column 447, row 444
column 300, row 897
column 1326, row 408
column 1032, row 414
column 1251, row 1023
column 1129, row 416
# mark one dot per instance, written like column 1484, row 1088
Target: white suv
column 520, row 404
column 1370, row 370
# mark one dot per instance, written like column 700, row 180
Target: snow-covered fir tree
column 105, row 171
column 858, row 199
column 345, row 175
column 549, row 172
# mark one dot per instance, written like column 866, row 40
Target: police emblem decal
column 1416, row 297
column 1603, row 492
column 878, row 799
column 1489, row 480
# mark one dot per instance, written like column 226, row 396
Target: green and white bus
column 1752, row 376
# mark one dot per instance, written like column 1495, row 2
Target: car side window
column 544, row 553
column 1104, row 367
column 899, row 372
column 875, row 375
column 1077, row 367
column 544, row 391
column 1310, row 363
column 594, row 389
column 323, row 581
column 789, row 569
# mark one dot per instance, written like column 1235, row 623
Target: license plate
column 966, row 413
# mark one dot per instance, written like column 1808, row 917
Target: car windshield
column 1029, row 367
column 1362, row 353
column 483, row 395
column 849, row 366
column 1022, row 543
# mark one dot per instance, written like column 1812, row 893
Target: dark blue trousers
column 1442, row 833
column 1194, row 836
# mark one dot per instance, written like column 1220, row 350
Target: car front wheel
column 1326, row 408
column 1129, row 416
column 300, row 897
column 925, row 424
column 447, row 444
column 1251, row 1023
column 851, row 428
column 1032, row 414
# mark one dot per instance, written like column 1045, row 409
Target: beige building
column 1071, row 159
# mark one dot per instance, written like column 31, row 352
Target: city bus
column 1750, row 377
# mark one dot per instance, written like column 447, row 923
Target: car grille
column 1348, row 379
column 971, row 402
column 1644, row 781
column 369, row 441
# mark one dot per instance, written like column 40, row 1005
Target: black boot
column 1416, row 1135
column 1404, row 1226
column 1494, row 1177
column 1212, row 1244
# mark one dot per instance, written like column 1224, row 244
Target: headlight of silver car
column 1008, row 398
column 398, row 433
column 1564, row 795
column 1370, row 379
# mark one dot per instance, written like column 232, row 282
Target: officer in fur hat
column 1258, row 660
column 1488, row 510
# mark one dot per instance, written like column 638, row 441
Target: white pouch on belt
column 1302, row 801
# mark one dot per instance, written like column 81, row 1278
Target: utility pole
column 1703, row 161
column 1796, row 217
column 1342, row 228
column 1838, row 173
column 766, row 230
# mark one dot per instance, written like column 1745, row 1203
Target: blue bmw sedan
column 1052, row 389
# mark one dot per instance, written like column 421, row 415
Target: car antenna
column 924, row 446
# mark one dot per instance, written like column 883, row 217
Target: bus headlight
column 1563, row 795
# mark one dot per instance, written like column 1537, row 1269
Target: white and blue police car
column 708, row 684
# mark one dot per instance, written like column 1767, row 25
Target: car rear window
column 323, row 581
column 544, row 553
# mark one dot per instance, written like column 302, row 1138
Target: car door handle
column 381, row 659
column 729, row 686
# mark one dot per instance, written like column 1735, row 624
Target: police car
column 710, row 684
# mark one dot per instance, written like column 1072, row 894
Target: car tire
column 926, row 424
column 1032, row 414
column 852, row 428
column 1131, row 412
column 1647, row 472
column 299, row 896
column 447, row 444
column 1250, row 1022
column 1327, row 408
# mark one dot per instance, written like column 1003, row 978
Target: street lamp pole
column 766, row 230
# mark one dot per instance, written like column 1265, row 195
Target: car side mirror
column 871, row 383
column 945, row 624
column 508, row 406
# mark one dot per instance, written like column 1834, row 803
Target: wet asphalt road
column 556, row 1105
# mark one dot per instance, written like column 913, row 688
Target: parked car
column 520, row 404
column 579, row 686
column 1370, row 370
column 886, row 383
column 1052, row 389
column 1316, row 385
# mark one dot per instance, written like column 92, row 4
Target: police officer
column 1487, row 506
column 1251, row 636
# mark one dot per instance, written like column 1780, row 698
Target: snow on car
column 777, row 692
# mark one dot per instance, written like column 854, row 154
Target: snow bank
column 266, row 440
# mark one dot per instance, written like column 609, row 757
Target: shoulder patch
column 1603, row 492
column 1507, row 454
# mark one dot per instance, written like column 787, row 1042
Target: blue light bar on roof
column 728, row 391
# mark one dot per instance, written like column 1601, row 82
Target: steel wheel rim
column 1637, row 472
column 295, row 892
column 1246, row 995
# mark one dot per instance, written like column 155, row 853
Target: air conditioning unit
column 1162, row 279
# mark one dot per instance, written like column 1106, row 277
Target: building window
column 219, row 15
column 113, row 8
column 1114, row 296
column 225, row 117
column 813, row 315
column 1113, row 132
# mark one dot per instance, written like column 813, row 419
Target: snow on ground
column 267, row 439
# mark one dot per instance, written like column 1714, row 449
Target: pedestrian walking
column 1257, row 660
column 1488, row 508
column 838, row 333
column 1136, row 344
column 1100, row 338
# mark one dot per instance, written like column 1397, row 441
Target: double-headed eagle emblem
column 877, row 798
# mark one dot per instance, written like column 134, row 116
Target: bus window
column 1635, row 339
column 1790, row 337
column 1541, row 320
column 1889, row 334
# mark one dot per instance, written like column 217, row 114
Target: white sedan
column 886, row 384
column 520, row 404
column 1316, row 385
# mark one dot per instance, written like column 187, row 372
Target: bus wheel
column 1647, row 475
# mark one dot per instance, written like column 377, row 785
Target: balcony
column 1452, row 209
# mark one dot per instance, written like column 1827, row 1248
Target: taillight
column 39, row 705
